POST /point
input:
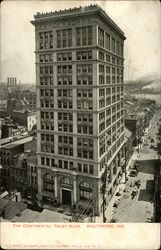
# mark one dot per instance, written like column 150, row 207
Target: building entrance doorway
column 66, row 197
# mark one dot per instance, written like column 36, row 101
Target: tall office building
column 79, row 77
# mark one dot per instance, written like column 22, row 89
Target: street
column 139, row 208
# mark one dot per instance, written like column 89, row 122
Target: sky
column 140, row 21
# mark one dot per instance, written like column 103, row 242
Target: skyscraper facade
column 79, row 78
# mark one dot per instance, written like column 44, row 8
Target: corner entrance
column 66, row 197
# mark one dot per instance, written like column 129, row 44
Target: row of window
column 65, row 140
column 65, row 151
column 64, row 38
column 85, row 129
column 110, row 43
column 85, row 93
column 110, row 70
column 67, row 56
column 85, row 153
column 65, row 116
column 46, row 148
column 46, row 92
column 46, row 80
column 85, row 168
column 64, row 93
column 46, row 70
column 109, row 101
column 83, row 38
column 47, row 126
column 65, row 127
column 108, row 91
column 109, row 79
column 46, row 57
column 82, row 80
column 84, row 35
column 64, row 69
column 65, row 104
column 65, row 165
column 46, row 40
column 85, row 193
column 67, row 80
column 86, row 105
column 84, row 55
column 47, row 161
column 84, row 118
column 47, row 103
column 82, row 104
column 110, row 59
column 84, row 68
column 47, row 137
column 80, row 55
column 47, row 115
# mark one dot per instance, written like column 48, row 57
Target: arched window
column 66, row 180
column 48, row 182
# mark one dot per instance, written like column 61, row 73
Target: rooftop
column 27, row 112
column 79, row 11
column 17, row 143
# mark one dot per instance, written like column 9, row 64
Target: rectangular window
column 79, row 167
column 107, row 41
column 113, row 45
column 100, row 37
column 91, row 169
column 84, row 35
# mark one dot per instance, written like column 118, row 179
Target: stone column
column 74, row 189
column 55, row 186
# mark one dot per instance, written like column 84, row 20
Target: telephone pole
column 103, row 191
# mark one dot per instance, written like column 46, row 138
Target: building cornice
column 75, row 12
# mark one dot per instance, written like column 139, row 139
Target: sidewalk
column 110, row 210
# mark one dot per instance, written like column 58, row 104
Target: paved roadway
column 141, row 208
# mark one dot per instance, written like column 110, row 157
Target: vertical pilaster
column 56, row 185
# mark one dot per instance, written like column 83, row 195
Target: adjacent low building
column 128, row 145
column 32, row 176
column 13, row 163
column 21, row 100
column 25, row 118
column 135, row 124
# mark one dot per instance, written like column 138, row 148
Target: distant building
column 79, row 65
column 14, row 167
column 11, row 81
column 25, row 118
column 32, row 176
column 21, row 100
column 133, row 124
column 128, row 145
column 9, row 129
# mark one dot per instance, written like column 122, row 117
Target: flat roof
column 17, row 143
column 77, row 11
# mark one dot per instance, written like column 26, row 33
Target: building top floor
column 77, row 13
